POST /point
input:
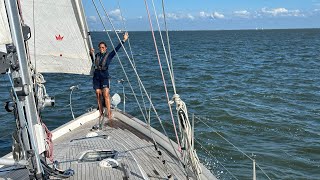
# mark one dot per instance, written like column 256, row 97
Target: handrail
column 72, row 88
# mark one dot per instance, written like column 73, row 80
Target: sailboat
column 57, row 40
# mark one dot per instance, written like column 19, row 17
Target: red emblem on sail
column 59, row 37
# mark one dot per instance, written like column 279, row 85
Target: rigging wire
column 164, row 47
column 162, row 74
column 163, row 78
column 138, row 77
column 122, row 20
column 34, row 36
column 20, row 108
column 169, row 47
column 155, row 143
column 188, row 153
column 20, row 12
column 119, row 58
column 133, row 60
column 22, row 23
column 151, row 134
column 143, row 173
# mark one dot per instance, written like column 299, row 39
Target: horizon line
column 251, row 29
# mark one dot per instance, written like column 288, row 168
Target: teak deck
column 137, row 156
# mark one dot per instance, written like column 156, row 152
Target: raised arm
column 125, row 38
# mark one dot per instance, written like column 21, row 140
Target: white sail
column 3, row 48
column 58, row 44
column 5, row 36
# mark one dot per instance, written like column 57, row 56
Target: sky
column 131, row 15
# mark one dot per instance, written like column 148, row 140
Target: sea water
column 259, row 89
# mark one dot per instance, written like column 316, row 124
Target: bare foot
column 110, row 116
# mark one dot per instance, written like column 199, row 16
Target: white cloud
column 274, row 12
column 281, row 12
column 204, row 14
column 172, row 16
column 177, row 16
column 296, row 13
column 217, row 15
column 115, row 15
column 92, row 18
column 190, row 16
column 243, row 13
column 214, row 15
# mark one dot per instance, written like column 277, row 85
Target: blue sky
column 210, row 14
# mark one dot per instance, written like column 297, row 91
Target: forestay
column 59, row 42
column 5, row 37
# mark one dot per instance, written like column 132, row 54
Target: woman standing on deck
column 101, row 62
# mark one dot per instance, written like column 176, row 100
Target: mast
column 83, row 23
column 83, row 26
column 32, row 132
column 81, row 19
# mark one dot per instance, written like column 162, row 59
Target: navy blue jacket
column 108, row 61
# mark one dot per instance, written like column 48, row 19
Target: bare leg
column 107, row 101
column 99, row 94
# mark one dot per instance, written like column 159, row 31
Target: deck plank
column 134, row 148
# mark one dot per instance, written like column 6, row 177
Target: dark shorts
column 100, row 79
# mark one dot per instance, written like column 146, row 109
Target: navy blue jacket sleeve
column 93, row 58
column 113, row 53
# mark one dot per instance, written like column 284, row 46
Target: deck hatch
column 93, row 156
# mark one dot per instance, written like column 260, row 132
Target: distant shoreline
column 259, row 29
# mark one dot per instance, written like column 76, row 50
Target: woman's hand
column 92, row 51
column 125, row 36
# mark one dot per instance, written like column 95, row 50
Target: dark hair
column 102, row 43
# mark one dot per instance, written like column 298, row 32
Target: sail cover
column 5, row 36
column 57, row 44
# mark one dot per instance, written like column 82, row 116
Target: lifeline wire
column 208, row 152
column 233, row 146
